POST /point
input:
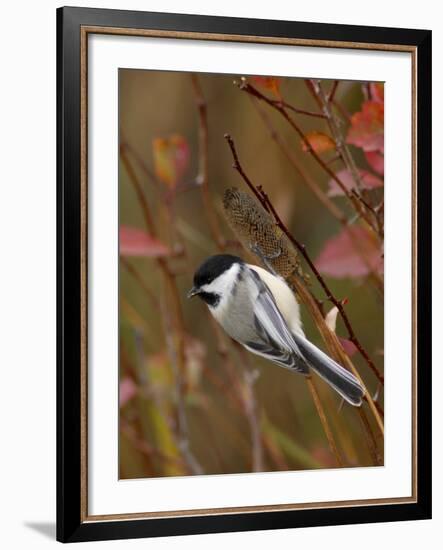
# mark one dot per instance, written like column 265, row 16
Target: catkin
column 255, row 227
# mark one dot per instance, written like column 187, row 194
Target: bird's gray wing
column 274, row 340
column 277, row 343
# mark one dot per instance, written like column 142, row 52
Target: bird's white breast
column 284, row 298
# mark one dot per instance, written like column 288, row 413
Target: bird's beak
column 193, row 292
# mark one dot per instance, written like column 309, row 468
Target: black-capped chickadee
column 259, row 310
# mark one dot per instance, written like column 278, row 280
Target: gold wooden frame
column 85, row 31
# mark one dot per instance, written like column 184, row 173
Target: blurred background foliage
column 202, row 412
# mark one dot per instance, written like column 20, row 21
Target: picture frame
column 74, row 213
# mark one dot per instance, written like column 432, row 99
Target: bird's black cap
column 212, row 267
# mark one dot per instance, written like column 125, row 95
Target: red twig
column 333, row 91
column 318, row 93
column 282, row 103
column 281, row 109
column 337, row 303
column 305, row 177
column 237, row 166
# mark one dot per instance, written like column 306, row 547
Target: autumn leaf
column 377, row 91
column 268, row 82
column 367, row 127
column 127, row 390
column 376, row 161
column 368, row 180
column 349, row 347
column 351, row 253
column 319, row 142
column 136, row 242
column 171, row 159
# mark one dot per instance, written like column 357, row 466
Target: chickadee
column 259, row 310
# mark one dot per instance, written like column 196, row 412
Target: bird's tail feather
column 344, row 382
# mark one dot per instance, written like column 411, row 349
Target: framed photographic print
column 244, row 274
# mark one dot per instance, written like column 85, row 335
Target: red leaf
column 171, row 159
column 351, row 253
column 136, row 242
column 367, row 127
column 368, row 180
column 268, row 82
column 349, row 347
column 128, row 390
column 376, row 161
column 318, row 141
column 377, row 90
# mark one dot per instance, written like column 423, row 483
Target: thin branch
column 139, row 191
column 314, row 114
column 339, row 304
column 324, row 422
column 316, row 89
column 203, row 171
column 332, row 342
column 310, row 182
column 266, row 203
column 335, row 158
column 317, row 92
column 237, row 396
column 329, row 337
column 365, row 88
column 379, row 409
column 339, row 107
column 126, row 146
column 370, row 439
column 249, row 377
column 333, row 91
column 317, row 402
column 143, row 447
column 379, row 219
column 361, row 211
column 237, row 166
column 135, row 318
column 175, row 238
column 137, row 276
column 244, row 86
column 178, row 365
column 177, row 349
column 249, row 402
